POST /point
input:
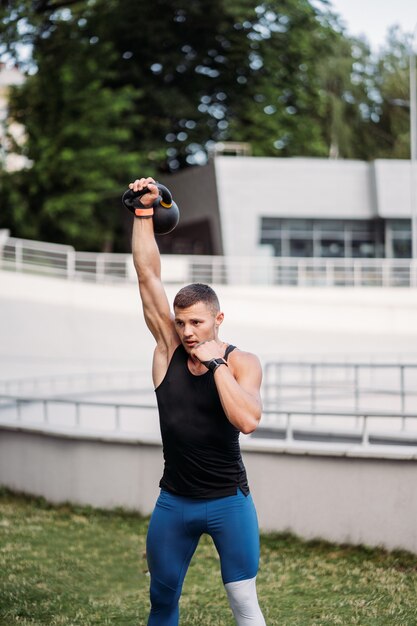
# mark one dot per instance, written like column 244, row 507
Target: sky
column 372, row 18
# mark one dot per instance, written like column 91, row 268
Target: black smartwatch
column 213, row 364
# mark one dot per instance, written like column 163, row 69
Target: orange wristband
column 144, row 212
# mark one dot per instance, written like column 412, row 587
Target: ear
column 219, row 318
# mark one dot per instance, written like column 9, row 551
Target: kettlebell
column 166, row 213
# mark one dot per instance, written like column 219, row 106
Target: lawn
column 81, row 566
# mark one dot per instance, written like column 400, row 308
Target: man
column 207, row 393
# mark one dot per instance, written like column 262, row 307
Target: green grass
column 82, row 566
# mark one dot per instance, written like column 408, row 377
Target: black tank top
column 201, row 447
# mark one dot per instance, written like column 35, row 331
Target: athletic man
column 207, row 392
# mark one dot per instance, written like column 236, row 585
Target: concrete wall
column 81, row 470
column 342, row 499
column 48, row 325
column 338, row 498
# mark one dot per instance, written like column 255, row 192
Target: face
column 197, row 323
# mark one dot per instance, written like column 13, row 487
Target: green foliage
column 78, row 132
column 80, row 566
column 392, row 127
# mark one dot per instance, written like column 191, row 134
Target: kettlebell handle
column 166, row 197
column 165, row 213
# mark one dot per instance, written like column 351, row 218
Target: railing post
column 357, row 273
column 356, row 390
column 45, row 411
column 18, row 255
column 289, row 434
column 402, row 396
column 301, row 273
column 71, row 264
column 117, row 417
column 77, row 414
column 313, row 391
column 100, row 268
column 386, row 266
column 329, row 273
column 413, row 273
column 365, row 431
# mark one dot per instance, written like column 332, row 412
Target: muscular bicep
column 248, row 374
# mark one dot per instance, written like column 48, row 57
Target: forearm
column 145, row 251
column 242, row 408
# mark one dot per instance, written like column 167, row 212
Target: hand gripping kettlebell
column 165, row 211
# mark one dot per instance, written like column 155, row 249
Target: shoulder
column 244, row 363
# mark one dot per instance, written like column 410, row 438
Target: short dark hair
column 197, row 292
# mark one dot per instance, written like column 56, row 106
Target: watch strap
column 213, row 364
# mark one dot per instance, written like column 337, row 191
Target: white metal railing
column 361, row 428
column 29, row 256
column 355, row 386
column 78, row 382
column 354, row 427
column 48, row 412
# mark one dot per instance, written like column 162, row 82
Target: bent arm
column 239, row 392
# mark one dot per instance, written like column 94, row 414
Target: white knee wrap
column 244, row 603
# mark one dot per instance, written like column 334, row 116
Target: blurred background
column 287, row 134
column 95, row 93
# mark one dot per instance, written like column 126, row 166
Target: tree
column 78, row 139
column 391, row 130
column 116, row 87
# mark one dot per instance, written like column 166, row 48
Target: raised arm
column 147, row 263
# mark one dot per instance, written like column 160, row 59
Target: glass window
column 326, row 226
column 301, row 247
column 400, row 225
column 331, row 238
column 297, row 225
column 401, row 248
column 363, row 249
column 330, row 248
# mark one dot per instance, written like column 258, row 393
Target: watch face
column 213, row 364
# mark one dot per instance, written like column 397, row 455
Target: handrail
column 64, row 261
column 46, row 403
column 355, row 383
column 54, row 380
column 337, row 413
column 340, row 364
column 36, row 399
column 365, row 438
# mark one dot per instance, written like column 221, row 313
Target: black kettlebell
column 166, row 213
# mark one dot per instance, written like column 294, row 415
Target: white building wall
column 253, row 187
column 393, row 188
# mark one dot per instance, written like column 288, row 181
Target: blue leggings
column 176, row 526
